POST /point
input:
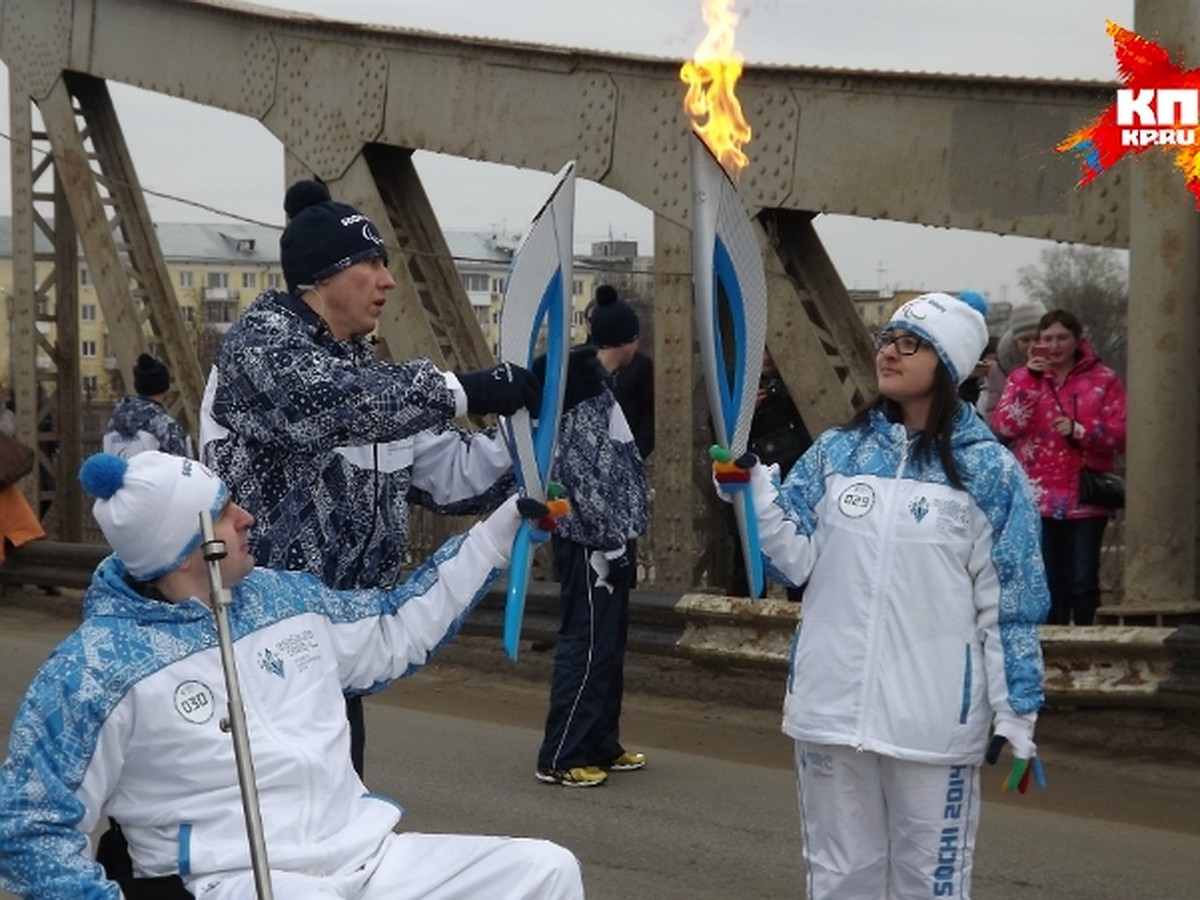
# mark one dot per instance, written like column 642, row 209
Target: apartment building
column 216, row 270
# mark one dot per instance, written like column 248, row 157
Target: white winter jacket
column 123, row 720
column 922, row 605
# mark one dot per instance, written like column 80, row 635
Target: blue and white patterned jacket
column 923, row 599
column 328, row 445
column 598, row 462
column 139, row 423
column 124, row 720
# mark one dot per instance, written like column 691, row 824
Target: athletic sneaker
column 580, row 776
column 628, row 762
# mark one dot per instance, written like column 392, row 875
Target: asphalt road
column 714, row 815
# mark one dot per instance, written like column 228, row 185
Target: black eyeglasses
column 905, row 344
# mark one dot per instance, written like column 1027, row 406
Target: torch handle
column 214, row 551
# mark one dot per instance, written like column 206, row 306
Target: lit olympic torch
column 729, row 283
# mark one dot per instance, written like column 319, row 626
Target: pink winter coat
column 1092, row 395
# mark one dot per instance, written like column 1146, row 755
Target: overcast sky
column 223, row 161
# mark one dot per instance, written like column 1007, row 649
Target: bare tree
column 1093, row 283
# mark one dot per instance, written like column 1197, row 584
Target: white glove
column 1018, row 731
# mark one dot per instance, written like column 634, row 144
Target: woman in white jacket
column 917, row 535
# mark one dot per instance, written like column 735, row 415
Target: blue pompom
column 103, row 474
column 976, row 301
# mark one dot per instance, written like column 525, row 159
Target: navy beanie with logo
column 322, row 236
column 614, row 323
column 150, row 376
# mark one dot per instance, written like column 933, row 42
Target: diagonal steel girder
column 117, row 234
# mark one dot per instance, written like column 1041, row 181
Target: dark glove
column 545, row 515
column 586, row 377
column 620, row 568
column 502, row 389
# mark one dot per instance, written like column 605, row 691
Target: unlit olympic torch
column 214, row 551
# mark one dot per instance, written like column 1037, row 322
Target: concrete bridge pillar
column 1164, row 357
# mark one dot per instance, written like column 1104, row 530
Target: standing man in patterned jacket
column 325, row 442
column 140, row 421
column 600, row 466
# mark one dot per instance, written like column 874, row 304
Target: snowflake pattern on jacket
column 328, row 444
column 1092, row 395
column 923, row 600
column 123, row 720
column 135, row 413
column 599, row 464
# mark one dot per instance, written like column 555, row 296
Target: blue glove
column 502, row 389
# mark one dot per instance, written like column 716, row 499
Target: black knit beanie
column 323, row 236
column 614, row 323
column 150, row 376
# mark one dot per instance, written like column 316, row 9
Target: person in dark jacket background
column 599, row 465
column 140, row 421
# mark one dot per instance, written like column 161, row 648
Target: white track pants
column 885, row 829
column 429, row 867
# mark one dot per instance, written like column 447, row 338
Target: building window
column 91, row 384
column 85, row 277
column 497, row 285
column 475, row 281
column 189, row 313
column 88, row 349
column 185, row 279
column 249, row 279
column 577, row 288
column 218, row 279
column 87, row 312
column 274, row 281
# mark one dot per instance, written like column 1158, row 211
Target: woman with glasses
column 1061, row 411
column 917, row 535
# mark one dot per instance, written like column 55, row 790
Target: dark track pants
column 582, row 726
column 1071, row 551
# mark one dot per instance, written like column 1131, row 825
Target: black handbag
column 1105, row 489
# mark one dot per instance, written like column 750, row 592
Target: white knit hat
column 149, row 507
column 955, row 328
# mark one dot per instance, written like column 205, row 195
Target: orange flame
column 711, row 77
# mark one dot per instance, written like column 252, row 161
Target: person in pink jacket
column 1062, row 411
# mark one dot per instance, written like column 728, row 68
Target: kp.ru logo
column 1158, row 106
column 1150, row 116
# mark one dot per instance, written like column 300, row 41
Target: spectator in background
column 633, row 386
column 18, row 523
column 602, row 470
column 972, row 389
column 1063, row 410
column 140, row 421
column 1011, row 353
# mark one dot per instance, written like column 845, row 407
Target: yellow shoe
column 580, row 776
column 628, row 762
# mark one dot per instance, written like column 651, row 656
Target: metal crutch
column 214, row 551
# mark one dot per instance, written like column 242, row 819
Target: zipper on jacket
column 885, row 559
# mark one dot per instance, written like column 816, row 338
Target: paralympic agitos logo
column 1159, row 106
